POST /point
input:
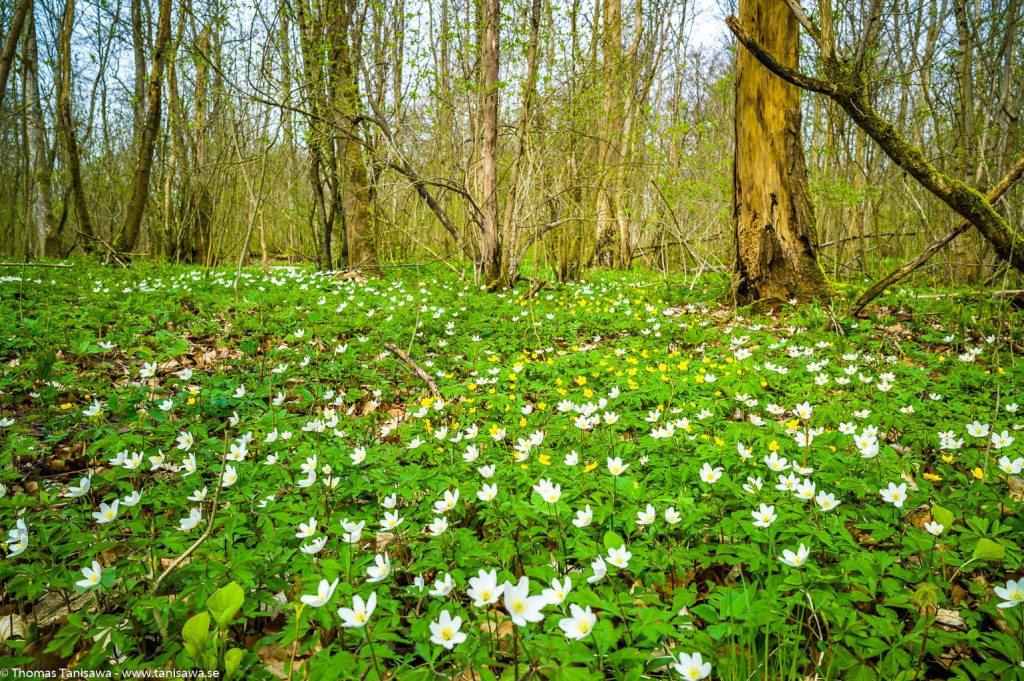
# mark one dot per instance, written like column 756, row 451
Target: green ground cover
column 617, row 476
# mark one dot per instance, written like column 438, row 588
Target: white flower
column 764, row 516
column 484, row 588
column 1011, row 467
column 549, row 491
column 934, row 528
column 692, row 667
column 795, row 559
column 390, row 501
column 487, row 493
column 95, row 409
column 358, row 455
column 826, row 501
column 600, row 570
column 443, row 587
column 438, row 526
column 584, row 517
column 579, row 625
column 314, row 546
column 672, row 516
column 521, row 606
column 619, row 557
column 93, row 575
column 1001, row 440
column 306, row 529
column 359, row 614
column 1012, row 593
column 193, row 519
column 132, row 499
column 486, row 471
column 391, row 520
column 148, row 370
column 710, row 475
column 803, row 410
column 445, row 631
column 323, row 593
column 895, row 494
column 81, row 489
column 558, row 591
column 448, row 502
column 230, row 476
column 381, row 568
column 615, row 466
column 977, row 429
column 107, row 512
column 185, row 440
column 647, row 516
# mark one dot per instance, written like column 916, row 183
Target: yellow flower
column 773, row 446
column 588, row 393
column 719, row 441
column 793, row 424
column 544, row 459
column 581, row 380
column 66, row 405
column 978, row 473
column 522, row 421
column 472, row 386
column 948, row 458
column 590, row 466
column 426, row 401
column 191, row 400
column 932, row 476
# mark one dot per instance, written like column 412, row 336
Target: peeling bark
column 775, row 235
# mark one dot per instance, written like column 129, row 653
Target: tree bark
column 47, row 238
column 775, row 235
column 129, row 233
column 67, row 125
column 489, row 250
column 11, row 43
column 848, row 87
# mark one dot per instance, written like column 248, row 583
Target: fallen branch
column 424, row 376
column 934, row 247
column 979, row 294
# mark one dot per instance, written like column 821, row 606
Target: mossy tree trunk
column 775, row 235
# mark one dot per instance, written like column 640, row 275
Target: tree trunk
column 11, row 43
column 775, row 235
column 47, row 239
column 489, row 255
column 140, row 187
column 608, row 143
column 67, row 125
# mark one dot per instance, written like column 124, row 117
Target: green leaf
column 195, row 634
column 612, row 540
column 224, row 604
column 232, row 659
column 943, row 516
column 989, row 550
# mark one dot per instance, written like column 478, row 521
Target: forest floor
column 321, row 477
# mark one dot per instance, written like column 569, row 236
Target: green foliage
column 158, row 385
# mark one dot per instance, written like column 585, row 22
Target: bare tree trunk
column 129, row 234
column 775, row 236
column 489, row 256
column 47, row 238
column 11, row 43
column 139, row 53
column 67, row 125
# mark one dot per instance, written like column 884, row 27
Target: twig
column 424, row 376
column 209, row 527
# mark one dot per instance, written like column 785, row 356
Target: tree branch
column 770, row 62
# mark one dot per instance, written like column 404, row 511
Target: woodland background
column 353, row 132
